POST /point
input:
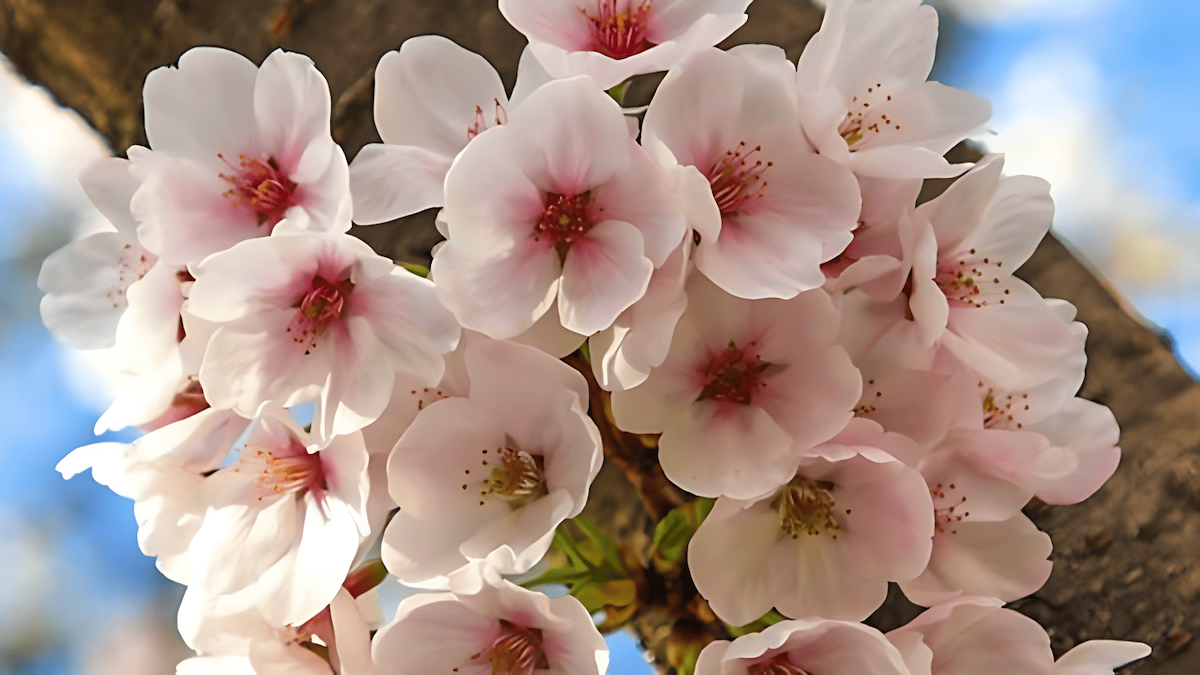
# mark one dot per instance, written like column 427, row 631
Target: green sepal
column 419, row 270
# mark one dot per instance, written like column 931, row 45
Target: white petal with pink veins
column 604, row 273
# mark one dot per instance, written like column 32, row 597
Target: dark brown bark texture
column 1125, row 560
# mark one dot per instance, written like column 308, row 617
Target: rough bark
column 1125, row 560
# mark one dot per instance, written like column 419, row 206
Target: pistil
column 565, row 219
column 259, row 184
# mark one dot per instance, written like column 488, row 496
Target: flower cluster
column 858, row 381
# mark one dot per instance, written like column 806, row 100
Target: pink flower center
column 734, row 375
column 946, row 518
column 324, row 303
column 481, row 124
column 619, row 33
column 518, row 651
column 736, row 178
column 776, row 665
column 258, row 184
column 565, row 219
column 806, row 506
column 284, row 470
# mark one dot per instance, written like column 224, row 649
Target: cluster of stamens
column 296, row 471
column 946, row 518
column 736, row 177
column 565, row 219
column 259, row 184
column 516, row 477
column 518, row 651
column 735, row 375
column 323, row 304
column 853, row 127
column 998, row 412
column 963, row 281
column 481, row 124
column 776, row 665
column 132, row 267
column 805, row 506
column 616, row 33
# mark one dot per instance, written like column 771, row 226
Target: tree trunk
column 1124, row 560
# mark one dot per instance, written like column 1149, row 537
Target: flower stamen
column 776, row 665
column 806, row 506
column 517, row 651
column 735, row 375
column 259, row 184
column 565, row 219
column 517, row 477
column 619, row 34
column 735, row 180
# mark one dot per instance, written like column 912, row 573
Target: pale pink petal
column 292, row 106
column 604, row 273
column 427, row 92
column 958, row 213
column 1099, row 657
column 1005, row 559
column 203, row 106
column 393, row 181
column 719, row 448
column 728, row 560
column 502, row 296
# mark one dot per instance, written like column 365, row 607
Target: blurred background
column 1093, row 95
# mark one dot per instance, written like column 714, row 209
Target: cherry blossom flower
column 825, row 544
column 559, row 203
column 276, row 530
column 489, row 475
column 864, row 100
column 336, row 641
column 799, row 647
column 486, row 625
column 767, row 209
column 86, row 282
column 613, row 40
column 236, row 152
column 967, row 308
column 316, row 317
column 746, row 388
column 431, row 98
column 974, row 636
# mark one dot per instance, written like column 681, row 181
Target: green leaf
column 586, row 352
column 618, row 92
column 675, row 531
column 608, row 548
